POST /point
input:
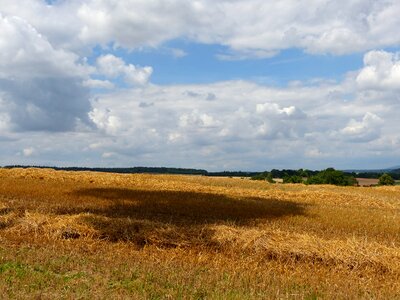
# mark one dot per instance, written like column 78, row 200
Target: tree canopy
column 386, row 179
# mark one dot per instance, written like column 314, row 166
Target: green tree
column 386, row 179
column 293, row 179
column 302, row 173
column 261, row 176
column 269, row 178
column 316, row 179
column 331, row 176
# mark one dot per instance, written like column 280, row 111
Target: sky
column 246, row 85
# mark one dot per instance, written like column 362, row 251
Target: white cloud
column 112, row 67
column 268, row 109
column 96, row 83
column 134, row 23
column 381, row 71
column 45, row 83
column 174, row 137
column 40, row 86
column 194, row 122
column 250, row 28
column 4, row 117
column 105, row 120
column 28, row 152
column 198, row 120
column 25, row 52
column 178, row 53
column 366, row 130
column 249, row 123
column 58, row 22
column 248, row 127
column 314, row 153
column 107, row 155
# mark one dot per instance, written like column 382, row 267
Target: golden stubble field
column 82, row 235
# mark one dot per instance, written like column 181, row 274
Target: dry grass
column 93, row 235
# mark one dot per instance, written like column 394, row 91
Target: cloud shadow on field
column 179, row 207
column 164, row 216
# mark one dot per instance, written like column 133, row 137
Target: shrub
column 293, row 179
column 269, row 178
column 386, row 179
column 261, row 176
column 264, row 176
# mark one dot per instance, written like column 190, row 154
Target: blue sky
column 227, row 85
column 201, row 64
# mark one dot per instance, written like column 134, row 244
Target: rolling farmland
column 99, row 235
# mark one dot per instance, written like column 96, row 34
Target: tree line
column 328, row 176
column 141, row 170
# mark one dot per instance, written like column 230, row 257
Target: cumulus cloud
column 319, row 120
column 40, row 86
column 268, row 109
column 178, row 122
column 249, row 28
column 98, row 84
column 46, row 83
column 365, row 130
column 198, row 120
column 301, row 126
column 381, row 71
column 57, row 22
column 134, row 23
column 112, row 67
column 53, row 104
column 105, row 120
column 254, row 28
column 24, row 51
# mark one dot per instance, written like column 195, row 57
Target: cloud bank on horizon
column 220, row 85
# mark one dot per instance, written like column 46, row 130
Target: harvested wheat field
column 88, row 235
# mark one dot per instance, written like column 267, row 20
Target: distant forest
column 183, row 171
column 306, row 173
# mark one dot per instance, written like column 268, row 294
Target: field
column 367, row 181
column 84, row 235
